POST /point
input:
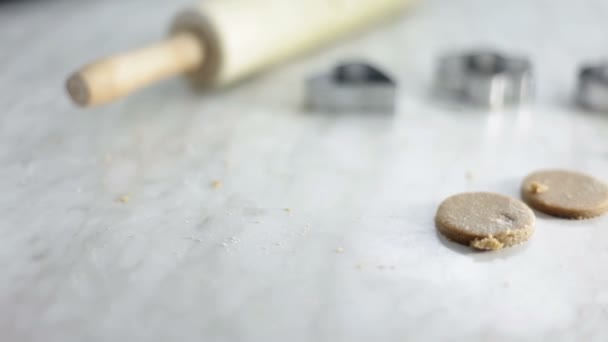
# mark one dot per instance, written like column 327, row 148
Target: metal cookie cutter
column 485, row 78
column 357, row 87
column 592, row 92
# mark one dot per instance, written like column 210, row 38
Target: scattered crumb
column 216, row 184
column 488, row 243
column 538, row 188
column 381, row 267
column 107, row 158
column 288, row 210
column 124, row 199
column 339, row 250
column 392, row 267
column 192, row 238
column 469, row 175
column 359, row 266
column 231, row 241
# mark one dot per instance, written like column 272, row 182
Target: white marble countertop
column 182, row 261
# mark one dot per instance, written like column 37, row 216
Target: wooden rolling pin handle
column 119, row 75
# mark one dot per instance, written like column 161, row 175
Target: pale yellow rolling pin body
column 222, row 41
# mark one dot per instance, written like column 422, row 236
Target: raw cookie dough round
column 485, row 220
column 565, row 194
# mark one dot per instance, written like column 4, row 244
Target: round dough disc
column 485, row 220
column 565, row 194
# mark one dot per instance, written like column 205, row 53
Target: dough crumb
column 469, row 175
column 339, row 250
column 488, row 243
column 216, row 184
column 359, row 266
column 124, row 199
column 288, row 210
column 538, row 188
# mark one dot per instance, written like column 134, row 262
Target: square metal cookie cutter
column 352, row 87
column 592, row 92
column 485, row 78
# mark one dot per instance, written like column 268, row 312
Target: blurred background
column 235, row 215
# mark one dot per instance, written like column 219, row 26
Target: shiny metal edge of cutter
column 485, row 78
column 592, row 90
column 352, row 87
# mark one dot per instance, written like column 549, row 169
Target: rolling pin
column 222, row 41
